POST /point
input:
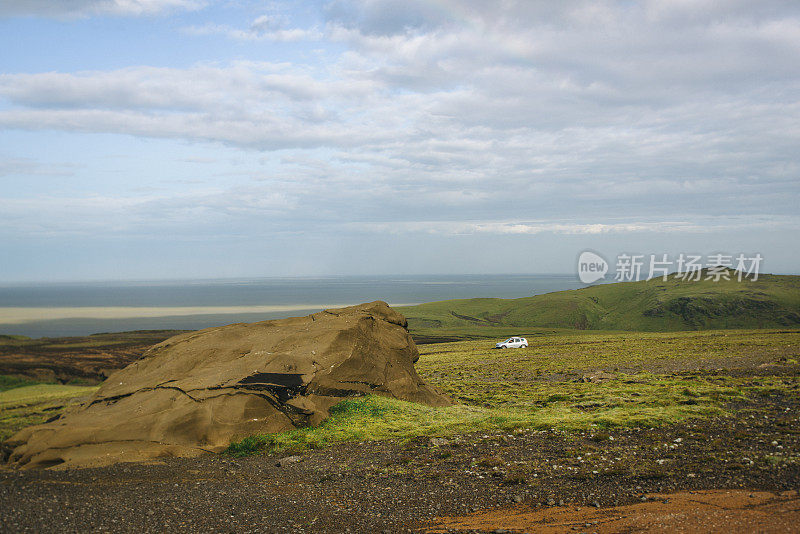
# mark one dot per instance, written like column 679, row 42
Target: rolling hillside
column 654, row 305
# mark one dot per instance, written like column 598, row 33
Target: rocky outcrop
column 197, row 392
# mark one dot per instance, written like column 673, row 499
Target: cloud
column 209, row 211
column 386, row 17
column 275, row 26
column 692, row 225
column 531, row 228
column 575, row 111
column 16, row 166
column 83, row 8
column 204, row 87
column 260, row 30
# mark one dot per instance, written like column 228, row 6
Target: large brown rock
column 197, row 392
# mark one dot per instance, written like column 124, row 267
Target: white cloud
column 693, row 226
column 28, row 167
column 480, row 111
column 82, row 8
column 210, row 210
column 207, row 87
column 528, row 228
column 259, row 31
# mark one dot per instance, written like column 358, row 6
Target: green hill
column 773, row 301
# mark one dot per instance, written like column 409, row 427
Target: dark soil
column 90, row 359
column 87, row 359
column 401, row 487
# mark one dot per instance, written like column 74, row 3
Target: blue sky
column 146, row 139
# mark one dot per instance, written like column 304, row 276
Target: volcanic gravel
column 401, row 487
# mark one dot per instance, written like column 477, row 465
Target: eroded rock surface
column 199, row 391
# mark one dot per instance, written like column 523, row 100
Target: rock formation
column 197, row 392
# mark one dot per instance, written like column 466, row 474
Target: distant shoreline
column 21, row 315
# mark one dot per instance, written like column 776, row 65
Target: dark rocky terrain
column 86, row 359
column 394, row 486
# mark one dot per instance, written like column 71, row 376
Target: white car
column 512, row 343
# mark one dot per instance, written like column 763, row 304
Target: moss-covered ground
column 570, row 382
column 30, row 404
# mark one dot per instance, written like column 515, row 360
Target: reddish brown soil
column 693, row 511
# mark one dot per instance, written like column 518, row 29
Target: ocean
column 76, row 309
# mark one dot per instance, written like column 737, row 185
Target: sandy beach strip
column 19, row 315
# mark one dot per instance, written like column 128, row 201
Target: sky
column 162, row 139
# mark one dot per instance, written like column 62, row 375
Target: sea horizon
column 57, row 309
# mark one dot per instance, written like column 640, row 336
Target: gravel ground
column 403, row 487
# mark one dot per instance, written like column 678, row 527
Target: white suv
column 512, row 343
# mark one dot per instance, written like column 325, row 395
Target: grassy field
column 11, row 382
column 568, row 381
column 773, row 301
column 32, row 404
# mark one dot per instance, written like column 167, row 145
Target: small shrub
column 514, row 476
column 600, row 437
column 490, row 461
